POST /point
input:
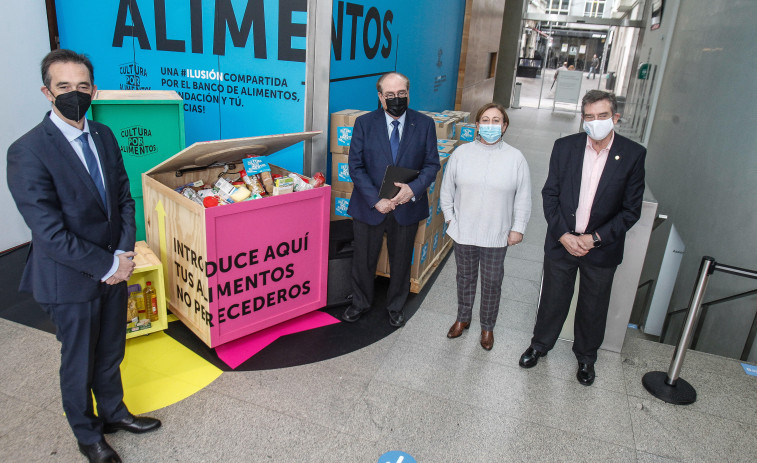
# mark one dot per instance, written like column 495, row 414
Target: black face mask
column 73, row 105
column 396, row 106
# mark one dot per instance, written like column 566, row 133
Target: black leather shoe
column 134, row 424
column 99, row 452
column 585, row 374
column 397, row 319
column 352, row 314
column 530, row 357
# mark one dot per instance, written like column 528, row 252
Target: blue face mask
column 490, row 132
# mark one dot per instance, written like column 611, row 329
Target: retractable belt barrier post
column 670, row 387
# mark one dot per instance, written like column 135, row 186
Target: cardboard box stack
column 445, row 125
column 342, row 123
column 462, row 116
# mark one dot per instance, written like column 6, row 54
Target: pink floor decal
column 236, row 352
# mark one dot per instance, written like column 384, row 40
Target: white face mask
column 599, row 129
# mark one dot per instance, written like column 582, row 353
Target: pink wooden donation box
column 235, row 269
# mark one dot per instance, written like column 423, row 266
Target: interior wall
column 509, row 50
column 701, row 162
column 485, row 27
column 23, row 28
column 425, row 47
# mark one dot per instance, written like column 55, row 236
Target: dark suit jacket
column 73, row 236
column 617, row 204
column 370, row 154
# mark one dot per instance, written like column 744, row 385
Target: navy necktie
column 94, row 169
column 394, row 140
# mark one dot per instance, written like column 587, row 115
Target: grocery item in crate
column 318, row 180
column 229, row 192
column 299, row 183
column 190, row 193
column 283, row 185
column 195, row 184
column 253, row 183
column 258, row 166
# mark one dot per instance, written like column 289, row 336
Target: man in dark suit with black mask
column 390, row 135
column 592, row 197
column 68, row 180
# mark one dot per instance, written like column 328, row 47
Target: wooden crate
column 149, row 268
column 227, row 271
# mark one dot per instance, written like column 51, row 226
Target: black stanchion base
column 682, row 393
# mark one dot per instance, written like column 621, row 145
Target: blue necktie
column 394, row 140
column 94, row 169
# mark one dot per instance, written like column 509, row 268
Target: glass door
column 548, row 49
column 596, row 39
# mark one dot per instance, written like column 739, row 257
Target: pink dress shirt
column 594, row 164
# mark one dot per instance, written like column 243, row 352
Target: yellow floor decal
column 158, row 371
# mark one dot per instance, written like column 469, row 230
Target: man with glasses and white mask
column 390, row 135
column 592, row 197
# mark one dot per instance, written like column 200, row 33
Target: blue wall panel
column 419, row 38
column 258, row 46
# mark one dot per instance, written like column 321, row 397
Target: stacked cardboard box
column 466, row 133
column 462, row 116
column 445, row 125
column 342, row 123
column 430, row 239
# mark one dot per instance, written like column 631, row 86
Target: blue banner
column 239, row 65
column 419, row 38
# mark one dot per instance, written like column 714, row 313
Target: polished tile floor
column 437, row 399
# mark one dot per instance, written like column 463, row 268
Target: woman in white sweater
column 486, row 200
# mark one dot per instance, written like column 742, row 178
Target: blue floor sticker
column 395, row 456
column 633, row 326
column 749, row 369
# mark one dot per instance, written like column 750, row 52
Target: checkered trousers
column 492, row 263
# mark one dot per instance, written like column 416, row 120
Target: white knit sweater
column 486, row 193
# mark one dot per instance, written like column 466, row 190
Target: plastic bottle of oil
column 151, row 302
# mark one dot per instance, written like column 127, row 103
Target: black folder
column 396, row 174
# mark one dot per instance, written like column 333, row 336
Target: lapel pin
column 617, row 158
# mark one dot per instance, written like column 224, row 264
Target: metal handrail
column 705, row 311
column 671, row 387
column 705, row 308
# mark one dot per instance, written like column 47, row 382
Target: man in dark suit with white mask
column 592, row 197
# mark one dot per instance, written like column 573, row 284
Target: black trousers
column 93, row 338
column 591, row 309
column 367, row 247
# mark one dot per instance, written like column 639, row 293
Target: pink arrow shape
column 235, row 353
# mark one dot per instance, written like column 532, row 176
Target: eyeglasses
column 390, row 95
column 600, row 117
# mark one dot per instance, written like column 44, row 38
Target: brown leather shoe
column 457, row 329
column 487, row 339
